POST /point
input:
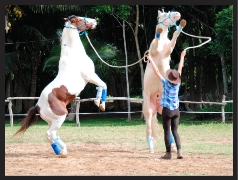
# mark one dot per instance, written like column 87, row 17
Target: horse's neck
column 71, row 42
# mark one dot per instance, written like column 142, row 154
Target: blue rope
column 83, row 32
column 70, row 27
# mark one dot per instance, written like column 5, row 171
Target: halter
column 77, row 27
column 162, row 22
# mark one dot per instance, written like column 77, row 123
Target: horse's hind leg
column 57, row 144
column 148, row 111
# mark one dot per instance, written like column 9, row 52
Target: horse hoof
column 159, row 30
column 63, row 155
column 183, row 23
column 173, row 147
column 97, row 102
column 151, row 151
column 102, row 107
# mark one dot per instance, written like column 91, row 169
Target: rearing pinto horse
column 76, row 69
column 160, row 49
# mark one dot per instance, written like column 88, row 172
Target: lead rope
column 143, row 58
column 209, row 39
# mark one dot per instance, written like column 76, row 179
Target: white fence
column 78, row 101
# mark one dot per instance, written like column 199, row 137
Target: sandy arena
column 99, row 159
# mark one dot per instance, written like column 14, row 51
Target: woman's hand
column 183, row 53
column 149, row 57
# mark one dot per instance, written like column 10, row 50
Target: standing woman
column 170, row 104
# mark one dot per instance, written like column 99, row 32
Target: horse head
column 168, row 19
column 80, row 23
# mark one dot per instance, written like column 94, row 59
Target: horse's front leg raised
column 175, row 36
column 153, row 50
column 101, row 94
column 101, row 90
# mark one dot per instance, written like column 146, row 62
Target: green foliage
column 137, row 96
column 120, row 11
column 214, row 108
column 10, row 62
column 53, row 61
column 224, row 35
column 53, row 8
column 33, row 34
column 197, row 137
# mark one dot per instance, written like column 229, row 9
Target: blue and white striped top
column 170, row 95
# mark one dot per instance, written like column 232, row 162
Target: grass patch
column 196, row 136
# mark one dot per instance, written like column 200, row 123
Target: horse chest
column 151, row 81
column 163, row 45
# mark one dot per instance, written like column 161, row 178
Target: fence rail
column 138, row 100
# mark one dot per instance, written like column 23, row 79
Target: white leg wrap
column 60, row 143
column 150, row 142
column 179, row 29
column 49, row 138
column 99, row 92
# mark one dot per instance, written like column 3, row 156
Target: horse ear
column 159, row 12
column 66, row 19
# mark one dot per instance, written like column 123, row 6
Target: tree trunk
column 184, row 74
column 191, row 74
column 113, row 87
column 8, row 85
column 220, row 82
column 33, row 85
column 139, row 55
column 209, row 69
column 127, row 81
column 198, row 76
column 225, row 86
column 19, row 82
column 199, row 85
column 25, row 103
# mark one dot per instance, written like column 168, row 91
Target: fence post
column 77, row 113
column 223, row 109
column 10, row 112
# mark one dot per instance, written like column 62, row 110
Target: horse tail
column 29, row 120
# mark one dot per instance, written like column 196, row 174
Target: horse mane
column 67, row 23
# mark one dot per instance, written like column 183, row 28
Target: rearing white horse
column 76, row 69
column 160, row 49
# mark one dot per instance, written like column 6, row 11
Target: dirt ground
column 99, row 159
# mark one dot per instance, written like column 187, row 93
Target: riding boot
column 179, row 154
column 168, row 155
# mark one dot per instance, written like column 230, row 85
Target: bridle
column 78, row 26
column 162, row 22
